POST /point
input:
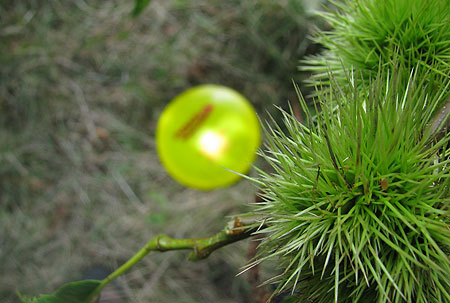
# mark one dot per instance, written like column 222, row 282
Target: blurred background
column 82, row 85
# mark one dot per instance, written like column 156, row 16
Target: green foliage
column 73, row 292
column 139, row 6
column 357, row 208
column 369, row 34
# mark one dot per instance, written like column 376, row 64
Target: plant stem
column 201, row 247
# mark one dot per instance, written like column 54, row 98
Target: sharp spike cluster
column 358, row 206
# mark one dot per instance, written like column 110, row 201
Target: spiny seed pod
column 439, row 126
column 371, row 34
column 357, row 209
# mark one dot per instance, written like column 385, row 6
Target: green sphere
column 206, row 135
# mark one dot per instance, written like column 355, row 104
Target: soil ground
column 82, row 85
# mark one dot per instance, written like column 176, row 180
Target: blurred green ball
column 205, row 133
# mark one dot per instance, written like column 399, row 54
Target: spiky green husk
column 369, row 34
column 357, row 209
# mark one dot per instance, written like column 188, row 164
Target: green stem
column 201, row 248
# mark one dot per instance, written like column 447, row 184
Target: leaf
column 73, row 292
column 139, row 6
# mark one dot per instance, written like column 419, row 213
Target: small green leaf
column 73, row 292
column 139, row 6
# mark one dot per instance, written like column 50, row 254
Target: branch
column 240, row 228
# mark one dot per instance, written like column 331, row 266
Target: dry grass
column 81, row 88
